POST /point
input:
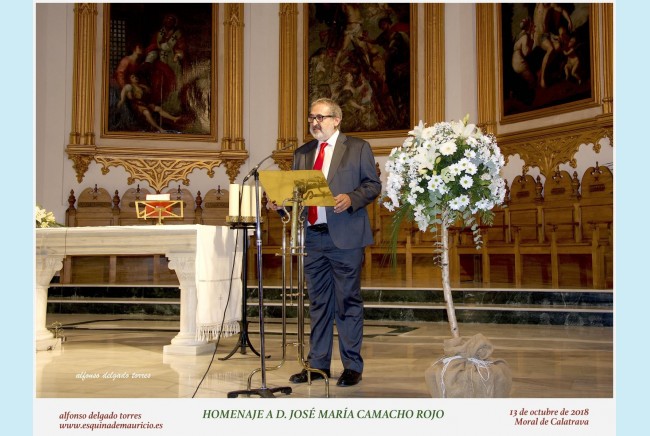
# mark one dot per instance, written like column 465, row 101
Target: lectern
column 293, row 191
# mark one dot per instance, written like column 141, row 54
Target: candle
column 246, row 201
column 233, row 200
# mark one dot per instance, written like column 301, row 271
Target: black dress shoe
column 301, row 377
column 349, row 378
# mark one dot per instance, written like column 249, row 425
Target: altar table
column 200, row 255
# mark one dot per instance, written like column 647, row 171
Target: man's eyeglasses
column 318, row 118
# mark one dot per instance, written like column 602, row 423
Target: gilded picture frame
column 548, row 59
column 364, row 57
column 159, row 66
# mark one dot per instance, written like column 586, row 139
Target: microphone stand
column 244, row 339
column 263, row 391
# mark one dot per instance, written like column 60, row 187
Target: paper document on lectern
column 279, row 186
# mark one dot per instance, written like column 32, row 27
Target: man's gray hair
column 334, row 107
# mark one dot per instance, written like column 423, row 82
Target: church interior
column 540, row 287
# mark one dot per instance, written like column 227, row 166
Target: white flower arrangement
column 44, row 218
column 445, row 173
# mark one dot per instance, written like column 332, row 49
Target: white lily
column 463, row 130
column 417, row 130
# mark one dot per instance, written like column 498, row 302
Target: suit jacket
column 352, row 171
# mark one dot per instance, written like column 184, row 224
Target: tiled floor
column 546, row 361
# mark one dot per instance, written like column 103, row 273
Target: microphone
column 257, row 167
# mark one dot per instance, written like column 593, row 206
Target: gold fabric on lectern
column 279, row 186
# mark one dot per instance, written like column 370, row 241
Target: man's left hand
column 343, row 202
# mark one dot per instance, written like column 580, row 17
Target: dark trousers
column 334, row 286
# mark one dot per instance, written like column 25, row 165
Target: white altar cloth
column 202, row 257
column 218, row 283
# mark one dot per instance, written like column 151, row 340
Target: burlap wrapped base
column 467, row 372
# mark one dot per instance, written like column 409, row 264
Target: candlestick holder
column 243, row 342
column 234, row 220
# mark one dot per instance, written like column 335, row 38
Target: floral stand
column 441, row 175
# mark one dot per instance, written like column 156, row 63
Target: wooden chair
column 465, row 258
column 424, row 252
column 593, row 224
column 525, row 208
column 189, row 205
column 378, row 254
column 561, row 205
column 128, row 209
column 533, row 249
column 596, row 203
column 95, row 207
column 462, row 247
column 214, row 207
column 516, row 231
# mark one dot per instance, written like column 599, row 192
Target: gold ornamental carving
column 546, row 146
column 284, row 160
column 233, row 160
column 233, row 94
column 83, row 75
column 490, row 70
column 608, row 57
column 555, row 145
column 159, row 173
column 232, row 168
column 157, row 166
column 287, row 86
column 434, row 57
column 487, row 67
column 80, row 163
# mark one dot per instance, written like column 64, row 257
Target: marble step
column 495, row 305
column 499, row 305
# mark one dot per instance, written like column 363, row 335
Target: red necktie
column 318, row 165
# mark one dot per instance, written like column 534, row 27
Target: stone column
column 46, row 267
column 185, row 341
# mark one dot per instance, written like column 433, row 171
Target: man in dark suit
column 335, row 238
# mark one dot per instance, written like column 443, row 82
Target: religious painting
column 547, row 63
column 159, row 69
column 362, row 56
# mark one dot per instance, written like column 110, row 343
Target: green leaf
column 400, row 215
